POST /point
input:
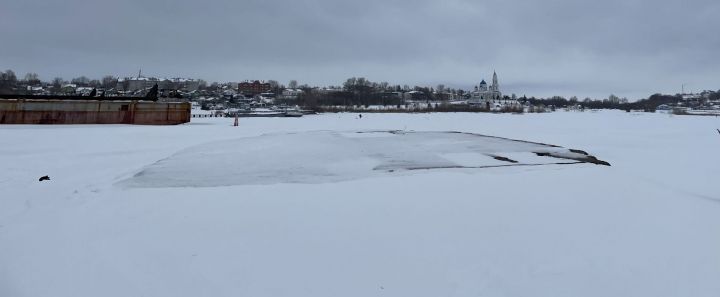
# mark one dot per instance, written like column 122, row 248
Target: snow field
column 646, row 226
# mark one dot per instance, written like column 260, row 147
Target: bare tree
column 81, row 81
column 350, row 83
column 384, row 85
column 9, row 76
column 361, row 81
column 8, row 81
column 274, row 86
column 32, row 78
column 293, row 84
column 613, row 99
column 109, row 82
column 57, row 82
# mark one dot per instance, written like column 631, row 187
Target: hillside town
column 354, row 94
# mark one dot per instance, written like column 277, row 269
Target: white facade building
column 291, row 93
column 490, row 96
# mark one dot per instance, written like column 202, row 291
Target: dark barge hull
column 79, row 111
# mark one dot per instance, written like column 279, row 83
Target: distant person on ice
column 360, row 116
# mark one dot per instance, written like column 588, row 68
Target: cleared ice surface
column 331, row 156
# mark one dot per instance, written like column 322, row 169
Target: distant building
column 267, row 98
column 483, row 92
column 37, row 90
column 291, row 93
column 446, row 96
column 253, row 88
column 415, row 96
column 490, row 96
column 83, row 90
column 131, row 84
column 327, row 90
column 186, row 84
column 691, row 97
column 136, row 83
column 228, row 93
column 390, row 95
column 68, row 88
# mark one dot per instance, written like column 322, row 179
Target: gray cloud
column 557, row 47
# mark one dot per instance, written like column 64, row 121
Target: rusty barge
column 29, row 109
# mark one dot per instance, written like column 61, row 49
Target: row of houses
column 140, row 83
column 65, row 89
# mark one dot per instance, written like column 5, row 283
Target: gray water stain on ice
column 332, row 156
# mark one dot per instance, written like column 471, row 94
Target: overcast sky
column 630, row 48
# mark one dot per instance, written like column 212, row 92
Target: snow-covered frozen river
column 309, row 207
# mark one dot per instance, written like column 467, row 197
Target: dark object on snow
column 501, row 158
column 360, row 115
column 175, row 94
column 152, row 95
column 93, row 93
column 44, row 178
column 585, row 158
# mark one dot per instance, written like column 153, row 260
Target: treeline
column 422, row 108
column 10, row 83
column 312, row 98
column 613, row 102
column 359, row 91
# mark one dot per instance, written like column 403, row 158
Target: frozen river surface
column 386, row 205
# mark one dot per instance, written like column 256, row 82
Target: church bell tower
column 495, row 85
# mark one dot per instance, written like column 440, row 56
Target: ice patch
column 473, row 159
column 329, row 156
column 369, row 134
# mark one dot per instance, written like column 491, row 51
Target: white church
column 490, row 96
